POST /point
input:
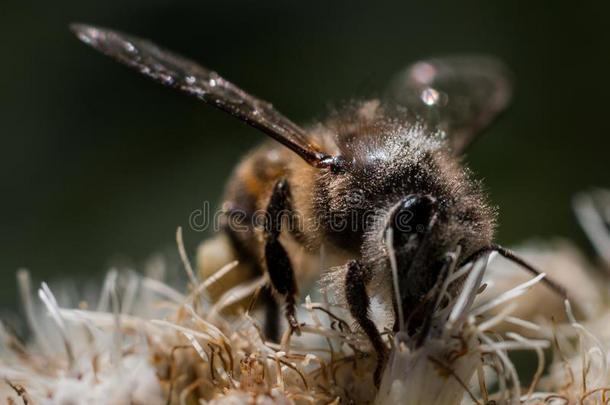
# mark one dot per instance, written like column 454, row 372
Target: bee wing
column 460, row 95
column 175, row 71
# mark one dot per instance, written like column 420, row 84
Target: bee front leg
column 279, row 268
column 272, row 314
column 359, row 306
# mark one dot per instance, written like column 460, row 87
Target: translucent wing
column 460, row 95
column 189, row 77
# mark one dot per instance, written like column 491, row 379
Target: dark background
column 98, row 165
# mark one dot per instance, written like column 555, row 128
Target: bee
column 380, row 184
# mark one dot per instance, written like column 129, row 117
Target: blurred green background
column 99, row 165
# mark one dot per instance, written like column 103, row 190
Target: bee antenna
column 510, row 255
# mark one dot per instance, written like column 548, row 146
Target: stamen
column 184, row 257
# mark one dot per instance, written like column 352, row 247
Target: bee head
column 408, row 234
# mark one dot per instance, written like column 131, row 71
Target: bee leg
column 279, row 268
column 272, row 315
column 359, row 304
column 268, row 301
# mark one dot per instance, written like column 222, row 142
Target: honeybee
column 380, row 184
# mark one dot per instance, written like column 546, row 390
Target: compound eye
column 413, row 214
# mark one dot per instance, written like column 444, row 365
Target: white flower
column 145, row 342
